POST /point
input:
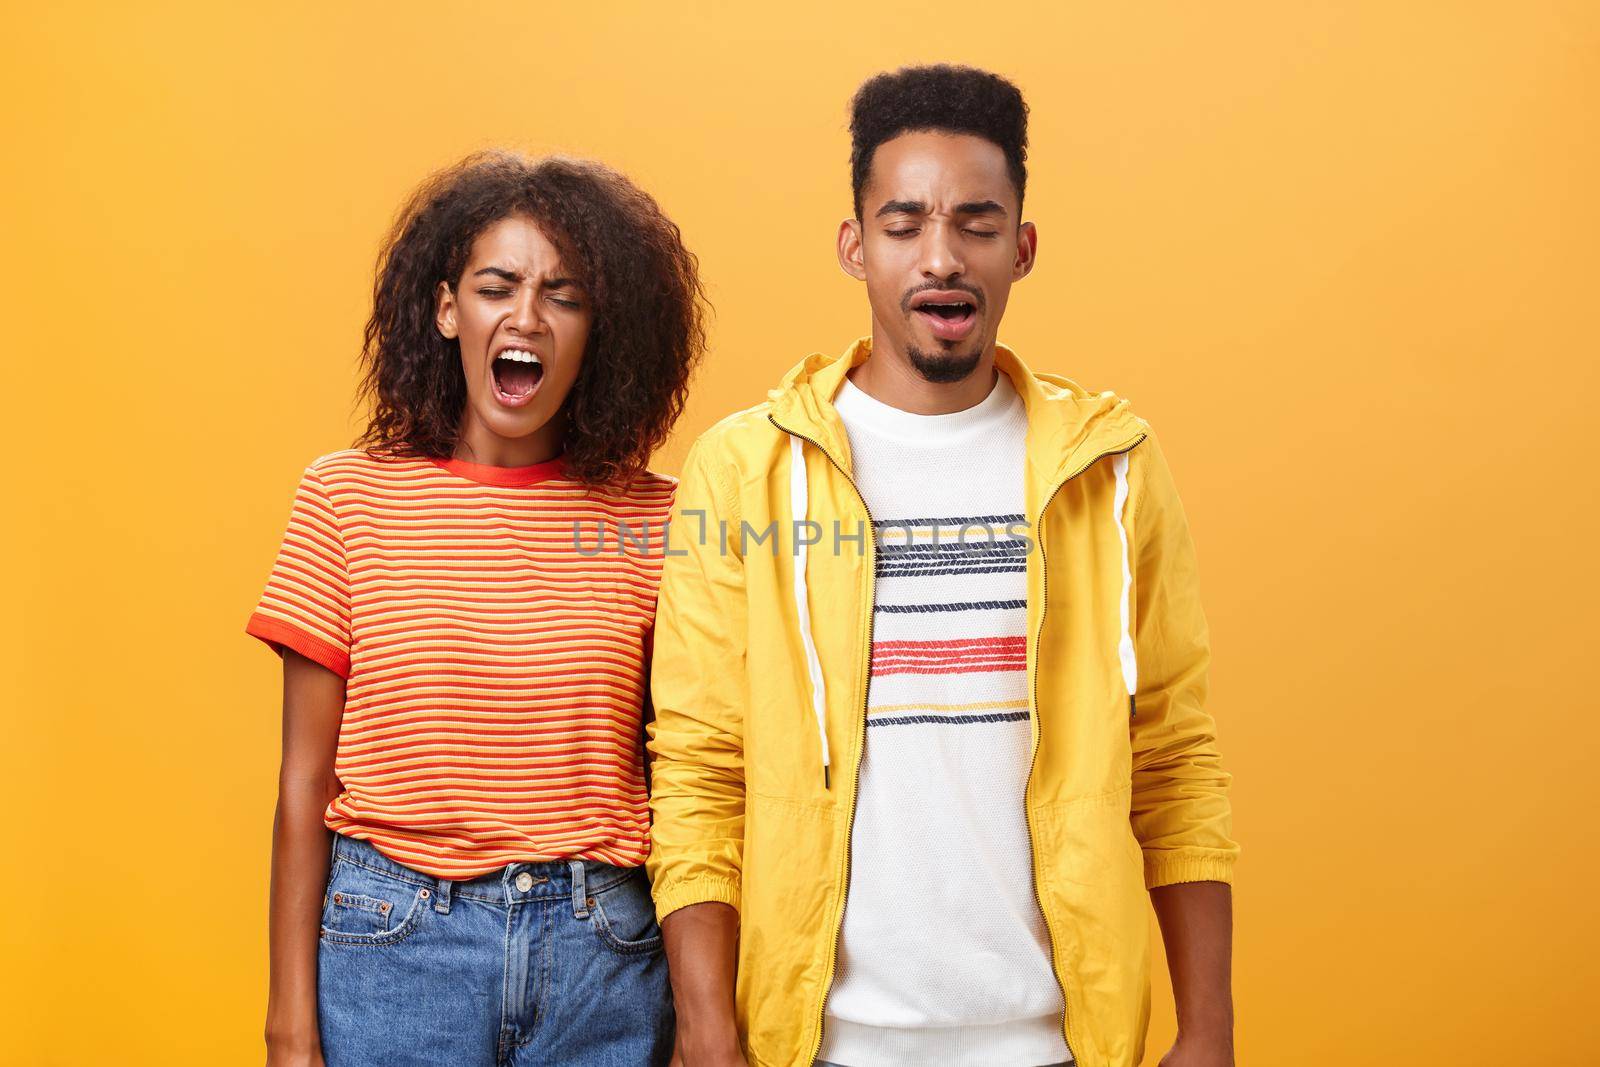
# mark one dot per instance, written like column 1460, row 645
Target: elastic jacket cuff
column 674, row 895
column 1200, row 865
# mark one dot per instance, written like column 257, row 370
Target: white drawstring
column 798, row 505
column 1130, row 664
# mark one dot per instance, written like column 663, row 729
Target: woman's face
column 522, row 322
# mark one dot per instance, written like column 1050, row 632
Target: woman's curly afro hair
column 643, row 285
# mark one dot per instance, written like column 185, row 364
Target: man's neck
column 889, row 377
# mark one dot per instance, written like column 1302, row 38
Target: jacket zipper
column 855, row 779
column 1033, row 756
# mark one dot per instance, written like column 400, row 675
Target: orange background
column 1343, row 256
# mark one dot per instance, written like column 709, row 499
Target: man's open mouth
column 517, row 374
column 949, row 312
column 949, row 315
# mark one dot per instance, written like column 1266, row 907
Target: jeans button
column 524, row 882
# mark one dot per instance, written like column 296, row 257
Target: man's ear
column 444, row 312
column 851, row 256
column 1027, row 251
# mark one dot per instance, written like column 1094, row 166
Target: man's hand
column 727, row 1058
column 1200, row 1052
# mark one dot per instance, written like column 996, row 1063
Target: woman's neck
column 476, row 443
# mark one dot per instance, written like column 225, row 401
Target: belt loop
column 441, row 896
column 580, row 892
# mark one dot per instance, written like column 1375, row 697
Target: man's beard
column 943, row 368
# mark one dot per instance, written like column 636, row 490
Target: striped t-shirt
column 944, row 957
column 492, row 627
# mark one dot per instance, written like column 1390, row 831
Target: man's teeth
column 517, row 356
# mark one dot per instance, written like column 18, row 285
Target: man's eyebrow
column 980, row 207
column 917, row 207
column 902, row 207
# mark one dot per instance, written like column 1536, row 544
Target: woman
column 463, row 672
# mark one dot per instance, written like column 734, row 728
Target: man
column 919, row 756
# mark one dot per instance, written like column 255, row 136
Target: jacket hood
column 1066, row 423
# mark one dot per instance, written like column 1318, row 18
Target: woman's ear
column 444, row 313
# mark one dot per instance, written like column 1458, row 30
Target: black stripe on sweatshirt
column 968, row 605
column 1010, row 547
column 946, row 720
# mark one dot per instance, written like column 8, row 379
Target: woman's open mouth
column 517, row 374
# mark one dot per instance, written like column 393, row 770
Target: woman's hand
column 294, row 1054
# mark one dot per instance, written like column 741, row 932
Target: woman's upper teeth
column 517, row 355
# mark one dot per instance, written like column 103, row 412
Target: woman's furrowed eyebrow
column 560, row 282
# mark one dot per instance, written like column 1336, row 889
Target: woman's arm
column 313, row 703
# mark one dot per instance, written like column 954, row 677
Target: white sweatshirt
column 944, row 958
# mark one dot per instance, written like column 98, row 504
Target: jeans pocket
column 366, row 907
column 624, row 916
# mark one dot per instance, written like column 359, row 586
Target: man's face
column 938, row 244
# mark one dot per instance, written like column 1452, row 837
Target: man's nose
column 941, row 255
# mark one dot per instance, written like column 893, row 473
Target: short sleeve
column 306, row 605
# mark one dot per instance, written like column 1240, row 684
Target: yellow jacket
column 759, row 681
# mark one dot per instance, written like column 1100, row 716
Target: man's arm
column 697, row 799
column 702, row 955
column 1197, row 928
column 1180, row 810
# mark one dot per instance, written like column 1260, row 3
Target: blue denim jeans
column 535, row 963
